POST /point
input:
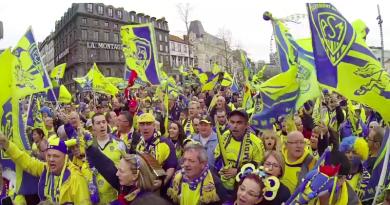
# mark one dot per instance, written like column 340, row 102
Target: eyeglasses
column 296, row 142
column 270, row 164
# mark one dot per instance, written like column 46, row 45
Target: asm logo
column 333, row 30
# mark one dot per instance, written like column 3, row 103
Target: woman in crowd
column 177, row 136
column 270, row 140
column 133, row 178
column 249, row 192
column 274, row 166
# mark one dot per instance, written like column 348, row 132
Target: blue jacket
column 210, row 147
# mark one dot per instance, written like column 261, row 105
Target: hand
column 4, row 143
column 229, row 172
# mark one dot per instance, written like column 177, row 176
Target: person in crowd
column 356, row 149
column 195, row 183
column 174, row 108
column 220, row 105
column 195, row 125
column 274, row 166
column 298, row 160
column 270, row 140
column 221, row 117
column 177, row 136
column 249, row 192
column 116, row 106
column 49, row 126
column 161, row 148
column 374, row 140
column 110, row 147
column 132, row 178
column 38, row 147
column 111, row 119
column 126, row 131
column 208, row 138
column 240, row 146
column 335, row 115
column 61, row 181
column 193, row 111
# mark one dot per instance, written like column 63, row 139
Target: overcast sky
column 243, row 18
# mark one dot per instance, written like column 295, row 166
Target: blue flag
column 139, row 48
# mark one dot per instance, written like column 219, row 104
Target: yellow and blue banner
column 297, row 53
column 140, row 50
column 246, row 65
column 344, row 62
column 11, row 120
column 29, row 74
column 276, row 97
column 60, row 94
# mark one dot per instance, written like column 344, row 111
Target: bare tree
column 226, row 52
column 184, row 11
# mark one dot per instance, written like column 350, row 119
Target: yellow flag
column 58, row 71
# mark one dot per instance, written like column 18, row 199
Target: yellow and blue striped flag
column 297, row 53
column 246, row 65
column 140, row 50
column 277, row 97
column 29, row 75
column 11, row 124
column 344, row 62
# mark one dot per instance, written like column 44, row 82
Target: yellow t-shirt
column 188, row 196
column 238, row 153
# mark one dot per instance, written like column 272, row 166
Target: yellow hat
column 146, row 117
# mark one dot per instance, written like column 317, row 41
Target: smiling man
column 240, row 147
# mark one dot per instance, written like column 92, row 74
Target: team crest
column 334, row 31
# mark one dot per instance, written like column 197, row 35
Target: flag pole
column 384, row 169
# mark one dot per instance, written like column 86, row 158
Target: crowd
column 115, row 150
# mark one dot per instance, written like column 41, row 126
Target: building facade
column 180, row 52
column 209, row 49
column 46, row 49
column 90, row 33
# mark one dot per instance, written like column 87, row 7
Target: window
column 132, row 18
column 116, row 38
column 84, row 34
column 159, row 37
column 161, row 47
column 179, row 47
column 139, row 19
column 159, row 25
column 184, row 48
column 115, row 25
column 84, row 20
column 166, row 48
column 119, row 14
column 116, row 55
column 110, row 12
column 100, row 10
column 106, row 24
column 89, row 8
column 172, row 46
column 96, row 35
column 106, row 36
column 166, row 38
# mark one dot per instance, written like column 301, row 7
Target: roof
column 176, row 39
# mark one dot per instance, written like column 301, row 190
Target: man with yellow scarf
column 61, row 182
column 195, row 183
column 237, row 146
column 298, row 160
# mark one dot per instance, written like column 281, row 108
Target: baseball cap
column 146, row 117
column 240, row 112
column 205, row 118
